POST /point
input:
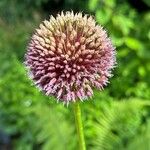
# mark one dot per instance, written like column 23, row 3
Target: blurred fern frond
column 54, row 130
column 141, row 142
column 119, row 123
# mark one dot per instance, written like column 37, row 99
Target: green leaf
column 103, row 16
column 123, row 23
column 147, row 2
column 92, row 4
column 142, row 71
column 133, row 43
column 110, row 3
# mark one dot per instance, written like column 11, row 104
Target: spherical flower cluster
column 69, row 55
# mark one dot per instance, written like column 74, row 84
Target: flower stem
column 79, row 126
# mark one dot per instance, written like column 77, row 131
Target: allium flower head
column 69, row 55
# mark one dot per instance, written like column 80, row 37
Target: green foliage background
column 117, row 118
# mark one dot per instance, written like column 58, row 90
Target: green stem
column 79, row 126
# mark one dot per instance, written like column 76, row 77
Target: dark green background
column 117, row 118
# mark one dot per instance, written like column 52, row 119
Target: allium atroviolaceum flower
column 69, row 55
